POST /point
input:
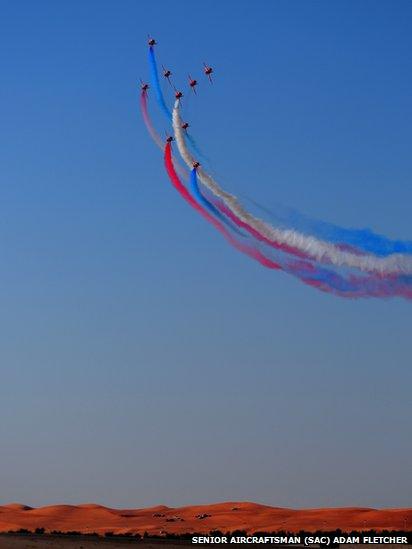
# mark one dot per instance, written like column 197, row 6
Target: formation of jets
column 167, row 74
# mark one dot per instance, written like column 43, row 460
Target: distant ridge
column 228, row 516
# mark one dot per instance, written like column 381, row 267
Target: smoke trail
column 150, row 128
column 194, row 187
column 364, row 240
column 255, row 254
column 350, row 286
column 153, row 133
column 317, row 249
column 309, row 273
column 161, row 100
column 284, row 247
column 358, row 241
column 156, row 84
column 323, row 279
column 193, row 179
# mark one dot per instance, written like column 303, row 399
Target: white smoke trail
column 154, row 135
column 318, row 249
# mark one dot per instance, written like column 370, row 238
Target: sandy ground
column 228, row 516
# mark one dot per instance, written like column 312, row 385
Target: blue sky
column 143, row 360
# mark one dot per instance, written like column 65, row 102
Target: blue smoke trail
column 154, row 74
column 156, row 84
column 363, row 239
column 194, row 187
column 344, row 284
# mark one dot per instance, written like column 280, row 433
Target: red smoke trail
column 152, row 131
column 370, row 286
column 251, row 252
column 284, row 247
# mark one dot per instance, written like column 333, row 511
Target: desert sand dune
column 226, row 516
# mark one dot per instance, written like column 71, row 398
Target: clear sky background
column 143, row 360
